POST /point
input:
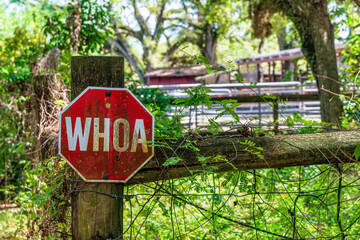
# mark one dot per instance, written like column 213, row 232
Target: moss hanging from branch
column 261, row 16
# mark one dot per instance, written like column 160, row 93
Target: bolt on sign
column 106, row 134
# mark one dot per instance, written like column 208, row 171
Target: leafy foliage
column 311, row 126
column 357, row 152
column 300, row 202
column 12, row 144
column 196, row 97
column 350, row 80
column 38, row 187
column 252, row 148
column 151, row 96
column 50, row 180
column 83, row 28
column 19, row 48
column 18, row 51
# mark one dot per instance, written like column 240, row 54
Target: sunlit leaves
column 357, row 152
column 196, row 97
column 171, row 161
column 83, row 28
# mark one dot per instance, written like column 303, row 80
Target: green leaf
column 171, row 161
column 60, row 102
column 179, row 100
column 208, row 68
column 203, row 160
column 357, row 152
column 239, row 78
column 270, row 96
column 204, row 60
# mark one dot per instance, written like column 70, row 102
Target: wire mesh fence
column 315, row 202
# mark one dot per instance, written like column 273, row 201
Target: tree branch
column 357, row 2
column 189, row 37
column 191, row 23
column 187, row 16
column 125, row 51
column 140, row 19
column 160, row 20
column 137, row 34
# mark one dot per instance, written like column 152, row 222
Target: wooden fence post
column 94, row 215
column 276, row 115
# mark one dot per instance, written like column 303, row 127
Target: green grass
column 9, row 223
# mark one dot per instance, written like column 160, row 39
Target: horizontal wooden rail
column 279, row 152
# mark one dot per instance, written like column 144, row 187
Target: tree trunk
column 209, row 44
column 284, row 44
column 46, row 87
column 260, row 72
column 317, row 36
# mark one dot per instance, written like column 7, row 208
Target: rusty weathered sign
column 106, row 134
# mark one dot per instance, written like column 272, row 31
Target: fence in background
column 264, row 111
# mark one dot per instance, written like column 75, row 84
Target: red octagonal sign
column 106, row 134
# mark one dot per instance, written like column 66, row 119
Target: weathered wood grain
column 278, row 151
column 95, row 216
